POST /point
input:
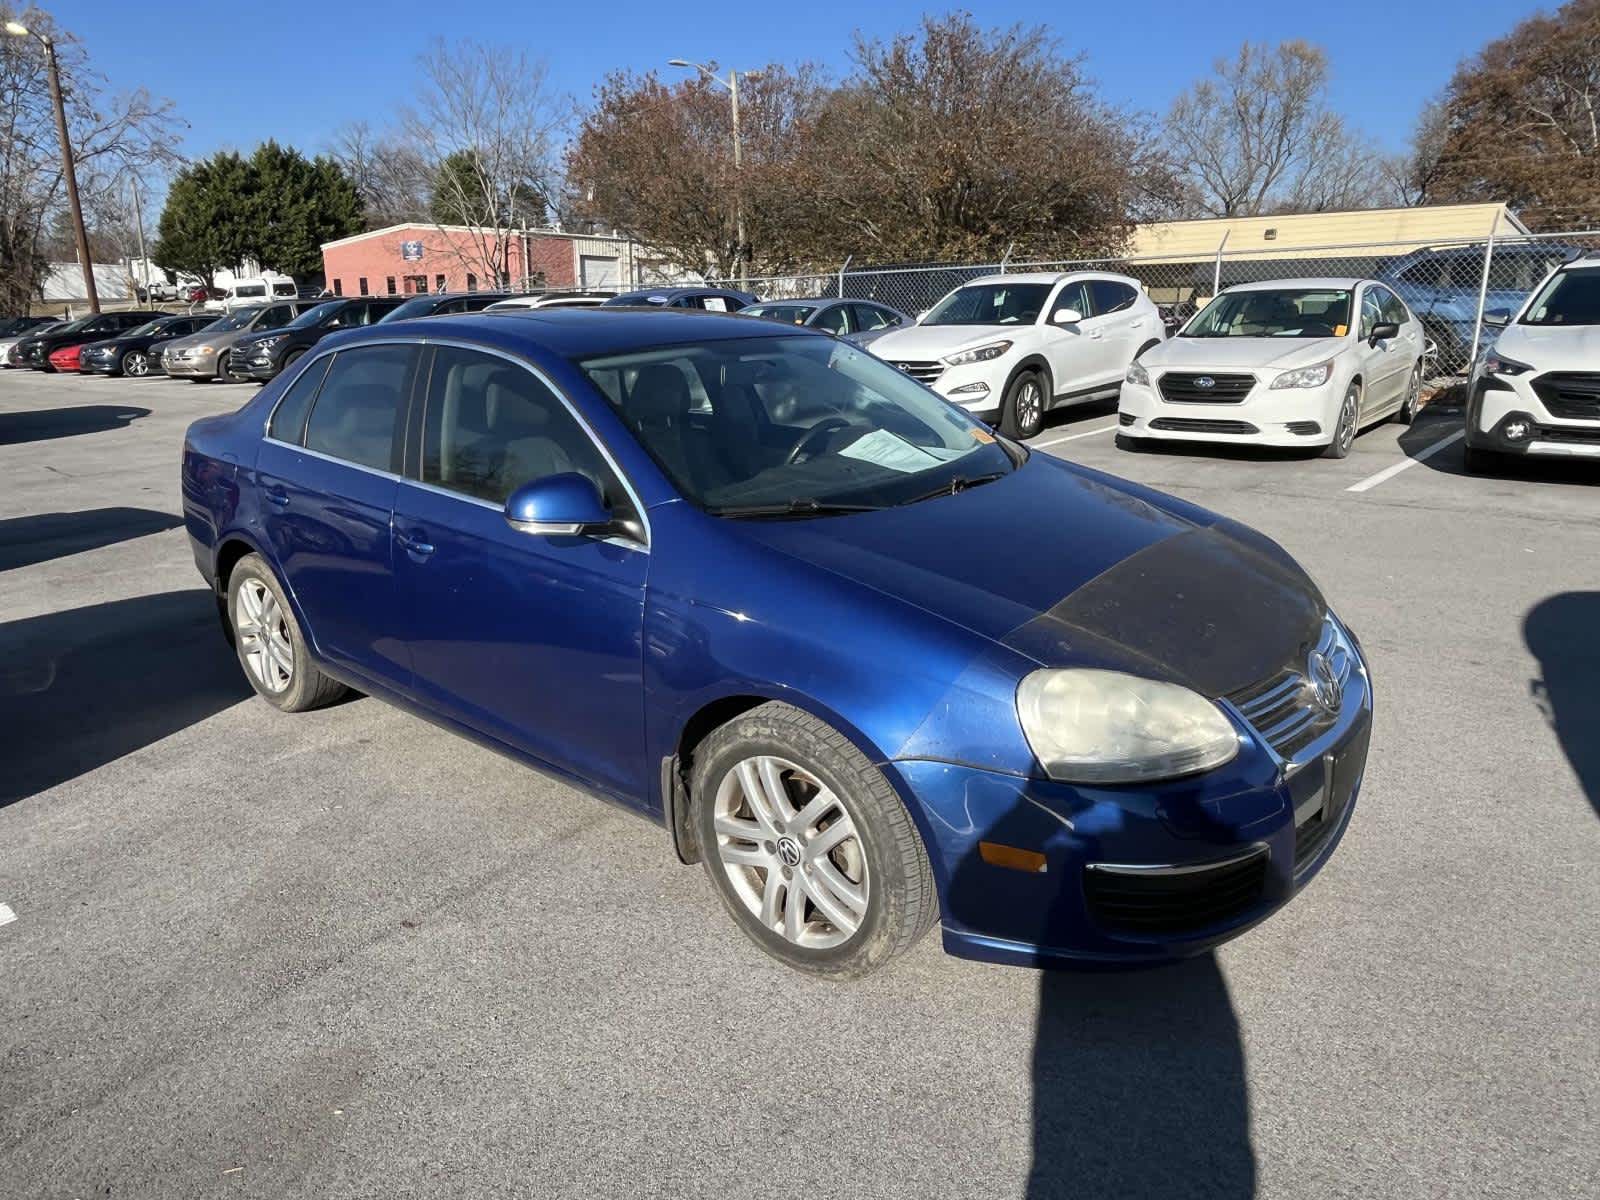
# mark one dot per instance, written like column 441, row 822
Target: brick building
column 406, row 260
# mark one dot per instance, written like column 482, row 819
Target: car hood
column 1551, row 347
column 1280, row 354
column 1103, row 574
column 922, row 342
column 223, row 337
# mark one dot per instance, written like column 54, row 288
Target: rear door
column 327, row 473
column 1124, row 321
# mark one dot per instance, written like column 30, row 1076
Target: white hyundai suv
column 1008, row 348
column 1537, row 390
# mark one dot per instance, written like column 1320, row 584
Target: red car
column 66, row 358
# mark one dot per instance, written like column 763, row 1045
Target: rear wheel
column 811, row 850
column 136, row 363
column 1408, row 407
column 1344, row 431
column 1022, row 409
column 271, row 648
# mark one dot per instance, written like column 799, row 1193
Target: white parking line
column 6, row 915
column 1072, row 437
column 1372, row 481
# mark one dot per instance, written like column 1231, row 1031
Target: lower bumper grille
column 1195, row 425
column 1174, row 899
column 1304, row 428
column 1570, row 395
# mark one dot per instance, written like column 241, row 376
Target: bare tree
column 388, row 173
column 1413, row 177
column 1254, row 136
column 485, row 131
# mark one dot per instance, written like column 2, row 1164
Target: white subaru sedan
column 1291, row 362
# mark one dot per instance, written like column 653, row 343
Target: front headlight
column 978, row 354
column 1093, row 726
column 1499, row 364
column 1137, row 374
column 268, row 343
column 1305, row 377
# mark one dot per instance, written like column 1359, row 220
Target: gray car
column 858, row 321
column 205, row 355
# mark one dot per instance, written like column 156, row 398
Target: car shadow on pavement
column 25, row 541
column 43, row 424
column 1563, row 633
column 82, row 687
column 1433, row 425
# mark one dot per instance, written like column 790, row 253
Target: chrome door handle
column 277, row 496
column 414, row 545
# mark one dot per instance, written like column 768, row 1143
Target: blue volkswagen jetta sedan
column 872, row 665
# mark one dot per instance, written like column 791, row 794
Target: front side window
column 1371, row 312
column 833, row 320
column 283, row 289
column 870, row 317
column 789, row 314
column 356, row 411
column 991, row 304
column 490, row 426
column 1274, row 312
column 1393, row 309
column 253, row 291
column 1569, row 298
column 316, row 315
column 793, row 423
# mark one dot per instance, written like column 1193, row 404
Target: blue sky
column 296, row 70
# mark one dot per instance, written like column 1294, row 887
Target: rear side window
column 362, row 397
column 1110, row 296
column 288, row 422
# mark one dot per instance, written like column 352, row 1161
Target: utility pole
column 138, row 224
column 731, row 84
column 16, row 29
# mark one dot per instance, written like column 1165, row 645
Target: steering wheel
column 825, row 426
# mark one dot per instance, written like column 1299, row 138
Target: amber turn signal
column 997, row 854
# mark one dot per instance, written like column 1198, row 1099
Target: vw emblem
column 1326, row 685
column 789, row 852
column 1205, row 381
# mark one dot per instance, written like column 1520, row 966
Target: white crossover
column 1008, row 348
column 1293, row 362
column 1537, row 389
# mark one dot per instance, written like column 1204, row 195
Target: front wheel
column 271, row 648
column 1022, row 409
column 810, row 848
column 1344, row 432
column 136, row 363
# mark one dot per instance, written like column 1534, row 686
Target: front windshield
column 315, row 316
column 789, row 314
column 1570, row 298
column 237, row 319
column 991, row 304
column 147, row 328
column 1275, row 312
column 417, row 306
column 793, row 422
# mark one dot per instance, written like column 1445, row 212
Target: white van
column 254, row 291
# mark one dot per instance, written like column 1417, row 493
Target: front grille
column 922, row 372
column 1284, row 708
column 1304, row 428
column 1186, row 388
column 1174, row 900
column 1195, row 425
column 1570, row 395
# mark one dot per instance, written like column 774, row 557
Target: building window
column 438, row 283
column 391, row 284
column 363, row 290
column 472, row 282
column 416, row 285
column 338, row 287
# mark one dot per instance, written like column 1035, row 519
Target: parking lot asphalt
column 347, row 954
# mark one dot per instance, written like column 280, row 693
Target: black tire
column 290, row 359
column 1481, row 462
column 1132, row 444
column 900, row 902
column 1407, row 412
column 1349, row 415
column 1030, row 420
column 223, row 374
column 307, row 687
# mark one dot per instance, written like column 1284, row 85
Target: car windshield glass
column 147, row 328
column 315, row 316
column 417, row 306
column 237, row 319
column 991, row 304
column 792, row 314
column 795, row 425
column 74, row 326
column 1570, row 298
column 1281, row 313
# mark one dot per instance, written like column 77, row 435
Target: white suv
column 1009, row 348
column 1537, row 390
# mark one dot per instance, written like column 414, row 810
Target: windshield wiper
column 801, row 506
column 959, row 484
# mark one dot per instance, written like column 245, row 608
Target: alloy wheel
column 1413, row 389
column 1030, row 406
column 1347, row 421
column 263, row 636
column 792, row 852
column 135, row 363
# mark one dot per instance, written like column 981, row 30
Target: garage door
column 598, row 271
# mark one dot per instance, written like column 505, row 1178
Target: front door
column 1384, row 366
column 1079, row 353
column 532, row 640
column 327, row 474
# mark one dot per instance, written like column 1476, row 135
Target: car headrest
column 659, row 397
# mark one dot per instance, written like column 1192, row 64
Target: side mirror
column 1497, row 317
column 1066, row 316
column 557, row 505
column 1383, row 331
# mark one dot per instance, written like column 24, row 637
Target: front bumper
column 1288, row 417
column 97, row 366
column 260, row 365
column 1135, row 875
column 190, row 364
column 1506, row 414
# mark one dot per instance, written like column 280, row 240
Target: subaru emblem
column 1205, row 381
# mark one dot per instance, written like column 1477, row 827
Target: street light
column 731, row 83
column 17, row 29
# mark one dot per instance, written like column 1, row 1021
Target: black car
column 446, row 302
column 35, row 352
column 11, row 327
column 261, row 356
column 138, row 351
column 708, row 298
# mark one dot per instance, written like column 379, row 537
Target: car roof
column 583, row 332
column 1331, row 282
column 1051, row 277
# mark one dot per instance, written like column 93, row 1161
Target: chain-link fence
column 1449, row 285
